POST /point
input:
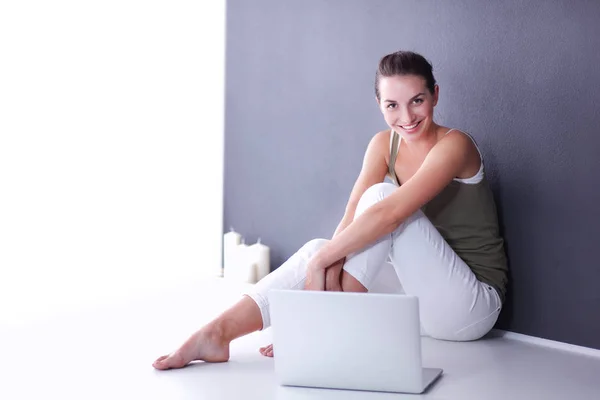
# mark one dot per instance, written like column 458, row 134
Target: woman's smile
column 410, row 128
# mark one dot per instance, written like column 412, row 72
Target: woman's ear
column 436, row 94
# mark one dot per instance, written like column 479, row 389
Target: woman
column 437, row 224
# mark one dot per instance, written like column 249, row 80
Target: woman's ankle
column 216, row 331
column 243, row 318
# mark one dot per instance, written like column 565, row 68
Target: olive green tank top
column 464, row 213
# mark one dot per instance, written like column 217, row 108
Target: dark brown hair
column 405, row 63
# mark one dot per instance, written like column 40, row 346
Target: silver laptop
column 360, row 341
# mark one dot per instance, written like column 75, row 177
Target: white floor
column 107, row 354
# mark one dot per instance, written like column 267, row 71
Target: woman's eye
column 391, row 106
column 418, row 101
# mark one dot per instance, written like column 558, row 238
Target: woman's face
column 407, row 104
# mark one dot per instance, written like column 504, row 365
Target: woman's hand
column 315, row 275
column 333, row 276
column 321, row 277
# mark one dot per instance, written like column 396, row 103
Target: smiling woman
column 404, row 74
column 437, row 225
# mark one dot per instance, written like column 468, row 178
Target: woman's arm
column 444, row 162
column 346, row 220
column 373, row 171
column 333, row 275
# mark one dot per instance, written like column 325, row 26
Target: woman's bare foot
column 267, row 351
column 207, row 345
column 211, row 343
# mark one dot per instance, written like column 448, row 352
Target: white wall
column 111, row 149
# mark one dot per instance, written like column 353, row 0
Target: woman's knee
column 374, row 194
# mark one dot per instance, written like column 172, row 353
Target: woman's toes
column 159, row 359
column 267, row 351
column 170, row 361
column 158, row 364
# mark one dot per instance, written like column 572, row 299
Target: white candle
column 231, row 241
column 247, row 272
column 235, row 260
column 241, row 267
column 245, row 264
column 240, row 253
column 261, row 255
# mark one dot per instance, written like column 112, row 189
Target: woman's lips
column 410, row 128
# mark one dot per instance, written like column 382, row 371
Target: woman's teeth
column 408, row 127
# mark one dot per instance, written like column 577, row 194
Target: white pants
column 453, row 304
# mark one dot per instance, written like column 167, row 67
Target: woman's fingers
column 333, row 276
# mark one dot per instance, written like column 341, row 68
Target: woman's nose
column 405, row 117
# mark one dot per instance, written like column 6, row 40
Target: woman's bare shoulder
column 382, row 138
column 455, row 136
column 460, row 143
column 380, row 143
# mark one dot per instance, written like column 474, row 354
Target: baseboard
column 571, row 348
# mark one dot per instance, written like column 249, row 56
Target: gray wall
column 520, row 76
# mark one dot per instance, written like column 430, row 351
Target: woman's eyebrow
column 411, row 99
column 415, row 96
